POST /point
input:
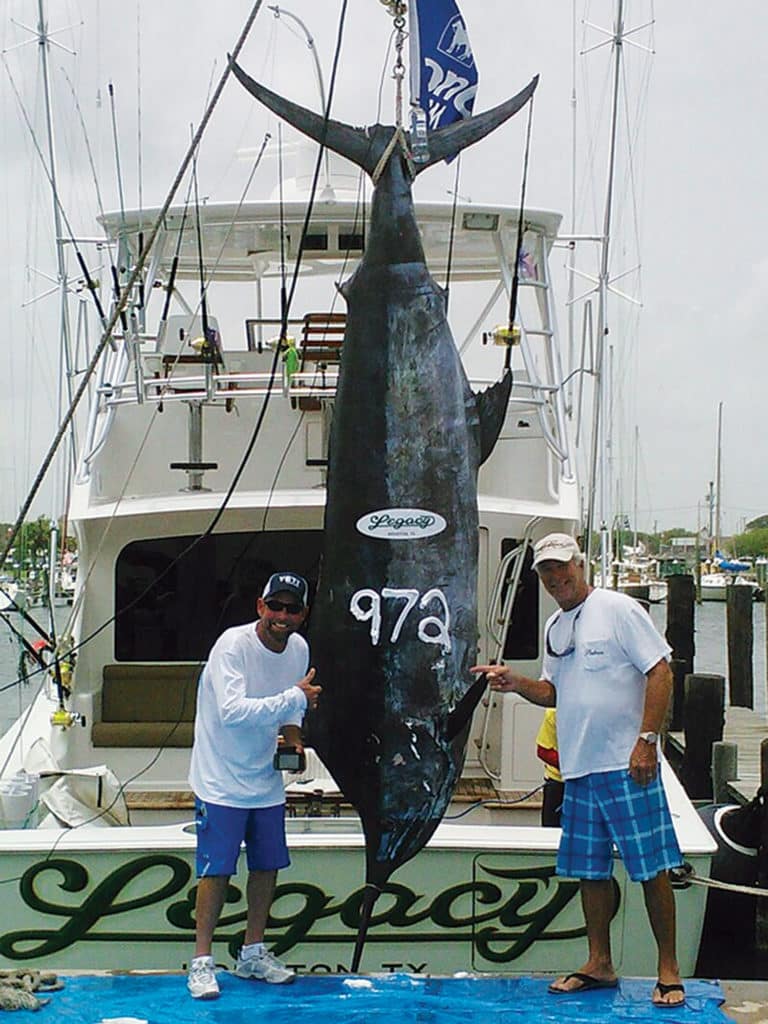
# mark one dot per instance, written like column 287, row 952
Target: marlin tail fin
column 365, row 146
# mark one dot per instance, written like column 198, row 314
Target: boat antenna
column 513, row 291
column 126, row 291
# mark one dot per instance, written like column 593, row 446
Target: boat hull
column 484, row 899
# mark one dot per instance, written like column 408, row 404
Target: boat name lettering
column 101, row 902
column 400, row 524
column 365, row 605
column 502, row 912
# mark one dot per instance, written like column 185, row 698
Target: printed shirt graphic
column 443, row 71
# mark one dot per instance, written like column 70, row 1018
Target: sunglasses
column 281, row 606
column 570, row 647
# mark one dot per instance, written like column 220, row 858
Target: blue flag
column 443, row 72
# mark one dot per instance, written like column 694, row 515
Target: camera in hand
column 289, row 759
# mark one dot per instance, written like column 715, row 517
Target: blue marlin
column 393, row 629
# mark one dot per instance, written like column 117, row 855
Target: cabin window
column 171, row 606
column 522, row 640
column 351, row 241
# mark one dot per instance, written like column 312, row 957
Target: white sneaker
column 201, row 980
column 263, row 967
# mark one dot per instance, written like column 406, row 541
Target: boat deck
column 330, row 802
column 162, row 999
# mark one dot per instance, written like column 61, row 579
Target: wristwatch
column 649, row 737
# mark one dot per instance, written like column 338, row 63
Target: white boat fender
column 736, row 830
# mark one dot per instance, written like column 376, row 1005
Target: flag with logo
column 443, row 72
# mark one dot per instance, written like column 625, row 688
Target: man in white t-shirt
column 606, row 669
column 255, row 687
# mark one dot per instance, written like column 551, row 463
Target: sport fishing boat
column 202, row 471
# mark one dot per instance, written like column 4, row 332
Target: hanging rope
column 519, row 247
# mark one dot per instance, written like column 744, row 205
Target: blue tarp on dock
column 357, row 999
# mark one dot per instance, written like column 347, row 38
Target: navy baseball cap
column 286, row 583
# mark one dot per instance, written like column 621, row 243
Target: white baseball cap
column 555, row 547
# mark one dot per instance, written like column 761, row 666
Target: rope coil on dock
column 18, row 988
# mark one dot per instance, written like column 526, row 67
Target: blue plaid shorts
column 610, row 808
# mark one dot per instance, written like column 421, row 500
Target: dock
column 746, row 729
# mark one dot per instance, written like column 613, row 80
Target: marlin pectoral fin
column 447, row 142
column 492, row 408
column 353, row 143
column 464, row 710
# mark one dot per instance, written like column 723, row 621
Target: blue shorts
column 610, row 808
column 221, row 832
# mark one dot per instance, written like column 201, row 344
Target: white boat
column 714, row 585
column 639, row 578
column 9, row 593
column 94, row 795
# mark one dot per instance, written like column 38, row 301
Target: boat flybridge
column 170, row 424
column 202, row 471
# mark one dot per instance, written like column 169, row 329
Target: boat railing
column 501, row 603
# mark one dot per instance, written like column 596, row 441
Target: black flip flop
column 588, row 982
column 664, row 990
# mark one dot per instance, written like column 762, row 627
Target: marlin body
column 394, row 623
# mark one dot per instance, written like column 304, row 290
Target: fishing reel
column 63, row 718
column 502, row 334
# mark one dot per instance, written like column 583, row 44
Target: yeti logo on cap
column 290, row 582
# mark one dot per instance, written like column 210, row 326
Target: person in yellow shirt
column 554, row 787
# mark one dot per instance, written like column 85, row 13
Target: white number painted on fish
column 431, row 629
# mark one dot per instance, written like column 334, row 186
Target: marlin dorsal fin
column 491, row 410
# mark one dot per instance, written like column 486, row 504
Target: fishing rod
column 513, row 291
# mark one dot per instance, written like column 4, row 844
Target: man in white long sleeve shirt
column 255, row 686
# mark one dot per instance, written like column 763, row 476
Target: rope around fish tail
column 370, row 894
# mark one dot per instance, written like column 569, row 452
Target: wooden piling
column 725, row 769
column 761, row 917
column 740, row 646
column 680, row 618
column 679, row 670
column 704, row 717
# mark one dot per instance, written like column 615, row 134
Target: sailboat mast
column 598, row 461
column 634, row 505
column 61, row 263
column 718, row 475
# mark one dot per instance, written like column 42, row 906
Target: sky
column 688, row 201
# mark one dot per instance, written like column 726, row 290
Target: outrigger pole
column 122, row 300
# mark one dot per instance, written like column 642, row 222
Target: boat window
column 316, row 242
column 351, row 241
column 172, row 608
column 522, row 640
